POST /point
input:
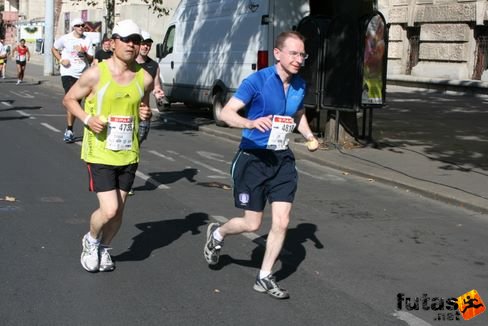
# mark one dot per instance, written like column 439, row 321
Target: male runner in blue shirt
column 264, row 167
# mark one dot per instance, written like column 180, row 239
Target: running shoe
column 89, row 256
column 268, row 285
column 69, row 136
column 106, row 263
column 211, row 252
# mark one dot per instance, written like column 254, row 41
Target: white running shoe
column 106, row 263
column 89, row 256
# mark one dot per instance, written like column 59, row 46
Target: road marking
column 151, row 180
column 410, row 319
column 213, row 156
column 25, row 114
column 211, row 168
column 327, row 177
column 162, row 156
column 24, row 94
column 7, row 104
column 48, row 126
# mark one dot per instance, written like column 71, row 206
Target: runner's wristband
column 88, row 117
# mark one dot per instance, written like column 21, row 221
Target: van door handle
column 172, row 64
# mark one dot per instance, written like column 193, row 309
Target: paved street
column 352, row 247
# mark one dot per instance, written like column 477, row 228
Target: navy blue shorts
column 108, row 177
column 261, row 175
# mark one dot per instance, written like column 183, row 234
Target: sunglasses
column 79, row 25
column 135, row 39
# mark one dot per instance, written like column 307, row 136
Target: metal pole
column 49, row 38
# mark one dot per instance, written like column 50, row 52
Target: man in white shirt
column 74, row 51
column 3, row 58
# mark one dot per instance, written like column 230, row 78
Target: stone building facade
column 446, row 39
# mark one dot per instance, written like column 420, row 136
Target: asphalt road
column 352, row 248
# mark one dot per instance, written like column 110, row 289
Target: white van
column 210, row 46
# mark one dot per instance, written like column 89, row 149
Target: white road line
column 410, row 319
column 23, row 94
column 213, row 156
column 7, row 104
column 328, row 177
column 48, row 126
column 211, row 168
column 151, row 180
column 162, row 156
column 25, row 114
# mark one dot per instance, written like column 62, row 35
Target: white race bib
column 119, row 133
column 281, row 128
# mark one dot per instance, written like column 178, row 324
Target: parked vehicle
column 210, row 46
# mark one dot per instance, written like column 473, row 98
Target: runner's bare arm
column 81, row 89
column 145, row 112
column 304, row 129
column 231, row 117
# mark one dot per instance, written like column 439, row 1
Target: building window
column 481, row 55
column 413, row 36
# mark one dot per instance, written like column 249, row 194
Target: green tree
column 155, row 5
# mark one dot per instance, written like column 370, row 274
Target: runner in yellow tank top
column 119, row 104
column 117, row 97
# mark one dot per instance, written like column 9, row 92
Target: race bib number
column 21, row 57
column 280, row 130
column 119, row 133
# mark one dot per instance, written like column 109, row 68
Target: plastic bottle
column 144, row 127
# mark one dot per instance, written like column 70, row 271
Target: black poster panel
column 314, row 29
column 374, row 60
column 341, row 82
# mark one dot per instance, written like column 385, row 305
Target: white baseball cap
column 125, row 28
column 146, row 37
column 77, row 21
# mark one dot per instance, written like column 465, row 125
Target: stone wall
column 447, row 45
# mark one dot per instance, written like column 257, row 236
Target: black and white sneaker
column 268, row 285
column 211, row 251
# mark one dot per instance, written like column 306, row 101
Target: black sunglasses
column 135, row 39
column 79, row 25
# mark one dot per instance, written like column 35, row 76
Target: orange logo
column 470, row 305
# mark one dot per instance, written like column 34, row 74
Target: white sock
column 217, row 236
column 263, row 274
column 92, row 240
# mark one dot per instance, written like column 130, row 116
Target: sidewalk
column 429, row 142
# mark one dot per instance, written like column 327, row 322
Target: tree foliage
column 156, row 6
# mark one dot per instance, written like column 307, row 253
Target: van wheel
column 218, row 105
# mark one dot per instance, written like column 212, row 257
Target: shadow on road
column 155, row 235
column 292, row 255
column 168, row 178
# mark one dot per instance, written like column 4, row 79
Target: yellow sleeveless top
column 112, row 99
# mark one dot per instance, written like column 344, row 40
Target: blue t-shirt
column 264, row 95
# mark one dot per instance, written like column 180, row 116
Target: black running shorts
column 261, row 175
column 68, row 82
column 108, row 177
